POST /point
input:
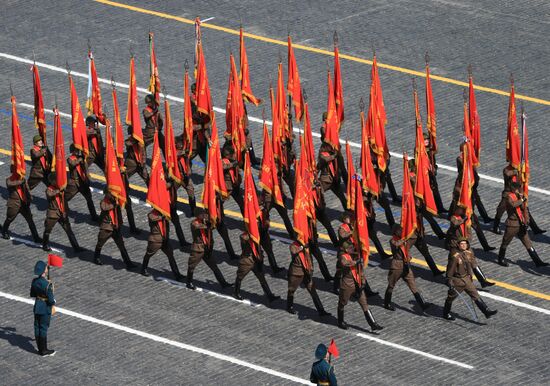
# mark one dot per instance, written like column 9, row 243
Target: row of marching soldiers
column 308, row 179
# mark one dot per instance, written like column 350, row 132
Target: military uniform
column 459, row 279
column 110, row 225
column 153, row 123
column 79, row 182
column 329, row 177
column 322, row 373
column 159, row 239
column 266, row 244
column 516, row 226
column 201, row 249
column 371, row 221
column 432, row 174
column 231, row 174
column 174, row 216
column 456, row 230
column 201, row 131
column 267, row 202
column 42, row 291
column 321, row 213
column 339, row 157
column 316, row 252
column 19, row 201
column 301, row 271
column 57, row 213
column 251, row 260
column 41, row 159
column 381, row 198
column 95, row 144
column 184, row 165
column 133, row 163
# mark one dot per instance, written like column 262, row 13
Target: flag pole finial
column 470, row 70
column 362, row 104
column 131, row 52
column 164, row 91
column 304, row 95
column 427, row 58
column 512, row 78
column 33, row 58
column 113, row 83
column 414, row 84
column 89, row 45
column 67, row 67
column 335, row 38
column 263, row 114
column 11, row 89
column 465, row 95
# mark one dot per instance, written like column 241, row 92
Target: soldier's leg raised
column 259, row 272
column 411, row 283
column 283, row 213
column 471, row 290
column 246, row 263
column 177, row 225
column 533, row 224
column 337, row 190
column 316, row 252
column 377, row 244
column 481, row 207
column 362, row 300
column 524, row 237
column 222, row 230
column 481, row 236
column 129, row 210
column 384, row 203
column 267, row 246
column 434, row 225
column 85, row 190
column 322, row 217
column 391, row 187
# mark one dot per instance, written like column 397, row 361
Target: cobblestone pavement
column 495, row 37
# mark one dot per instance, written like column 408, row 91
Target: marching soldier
column 251, row 260
column 459, row 279
column 95, row 143
column 79, row 181
column 159, row 239
column 153, row 122
column 266, row 244
column 339, row 156
column 173, row 186
column 352, row 281
column 322, row 373
column 231, row 173
column 19, row 201
column 249, row 146
column 201, row 128
column 287, row 173
column 455, row 230
column 185, row 168
column 41, row 159
column 110, row 226
column 400, row 268
column 42, row 291
column 133, row 163
column 57, row 213
column 329, row 176
column 267, row 203
column 316, row 252
column 201, row 249
column 371, row 221
column 301, row 271
column 432, row 173
column 321, row 213
column 516, row 226
column 381, row 198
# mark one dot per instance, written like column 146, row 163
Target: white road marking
column 170, row 342
column 250, row 118
column 414, row 351
column 208, row 19
column 514, row 302
column 32, row 243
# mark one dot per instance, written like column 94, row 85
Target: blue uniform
column 42, row 290
column 322, row 373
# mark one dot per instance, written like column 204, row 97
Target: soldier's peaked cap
column 39, row 268
column 321, row 351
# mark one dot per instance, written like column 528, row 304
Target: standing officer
column 153, row 122
column 353, row 281
column 95, row 143
column 41, row 159
column 57, row 213
column 329, row 176
column 109, row 226
column 252, row 259
column 19, row 201
column 459, row 279
column 42, row 291
column 322, row 373
column 201, row 249
column 516, row 226
column 400, row 268
column 79, row 181
column 159, row 239
column 301, row 271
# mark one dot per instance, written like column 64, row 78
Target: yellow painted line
column 323, row 236
column 319, row 51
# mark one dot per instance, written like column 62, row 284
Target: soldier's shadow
column 529, row 267
column 10, row 335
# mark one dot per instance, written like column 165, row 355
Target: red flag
column 214, row 181
column 170, row 147
column 350, row 188
column 338, row 86
column 308, row 141
column 474, row 122
column 301, row 208
column 80, row 139
column 55, row 260
column 158, row 195
column 468, row 134
column 187, row 121
column 513, row 140
column 93, row 103
column 119, row 135
column 422, row 187
column 370, row 179
column 408, row 208
column 17, row 151
column 282, row 109
column 58, row 163
column 252, row 210
column 431, row 122
column 154, row 80
column 39, row 117
column 361, row 226
column 293, row 85
column 332, row 124
column 115, row 184
column 244, row 75
column 377, row 119
column 235, row 117
column 277, row 127
column 204, row 101
column 307, row 179
column 332, row 349
column 466, row 185
column 269, row 181
column 133, row 116
column 525, row 170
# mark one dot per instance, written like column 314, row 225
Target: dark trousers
column 41, row 325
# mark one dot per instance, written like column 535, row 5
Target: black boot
column 190, row 284
column 496, row 228
column 237, row 292
column 536, row 259
column 368, row 291
column 97, row 257
column 35, row 237
column 483, row 240
column 192, row 205
column 45, row 351
column 431, row 263
column 379, row 247
column 447, row 310
column 372, row 323
column 501, row 257
column 341, row 324
column 336, row 284
column 387, row 301
column 220, row 278
column 273, row 263
column 144, row 266
column 481, row 278
column 318, row 305
column 126, row 259
column 421, row 302
column 5, row 231
column 483, row 307
column 74, row 243
column 270, row 296
column 534, row 226
column 39, row 344
column 290, row 304
column 46, row 242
